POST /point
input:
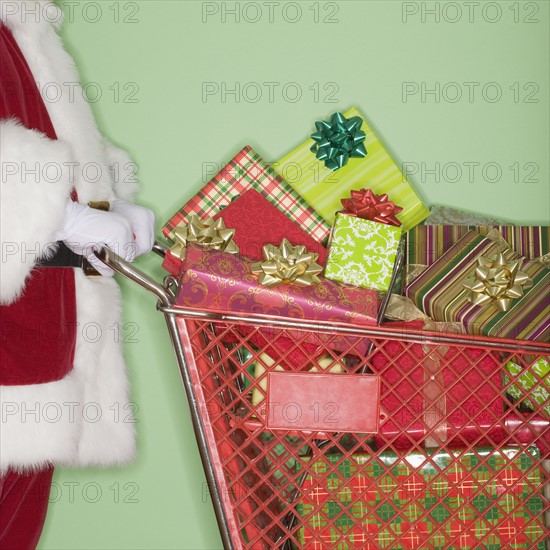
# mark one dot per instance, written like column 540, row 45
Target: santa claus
column 62, row 373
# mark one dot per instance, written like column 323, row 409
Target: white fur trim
column 34, row 188
column 98, row 381
column 101, row 366
column 84, row 419
column 37, row 15
column 123, row 172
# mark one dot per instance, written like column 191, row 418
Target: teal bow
column 339, row 140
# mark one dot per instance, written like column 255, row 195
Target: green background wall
column 478, row 141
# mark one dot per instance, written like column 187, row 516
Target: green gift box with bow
column 364, row 241
column 343, row 154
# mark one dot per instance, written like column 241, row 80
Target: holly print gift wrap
column 346, row 154
column 481, row 498
column 362, row 252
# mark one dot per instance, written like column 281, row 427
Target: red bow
column 377, row 208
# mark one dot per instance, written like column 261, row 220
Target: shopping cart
column 337, row 436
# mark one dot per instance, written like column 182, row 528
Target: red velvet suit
column 48, row 357
column 47, row 309
column 48, row 302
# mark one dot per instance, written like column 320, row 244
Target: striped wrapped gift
column 480, row 498
column 426, row 243
column 439, row 293
column 324, row 188
column 247, row 170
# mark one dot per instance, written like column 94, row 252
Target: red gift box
column 453, row 392
column 257, row 222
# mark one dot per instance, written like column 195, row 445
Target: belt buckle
column 88, row 269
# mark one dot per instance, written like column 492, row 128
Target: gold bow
column 497, row 282
column 209, row 233
column 287, row 264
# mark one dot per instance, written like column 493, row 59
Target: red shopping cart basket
column 398, row 439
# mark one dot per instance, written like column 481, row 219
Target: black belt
column 65, row 257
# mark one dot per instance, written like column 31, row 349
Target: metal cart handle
column 166, row 300
column 116, row 263
column 166, row 296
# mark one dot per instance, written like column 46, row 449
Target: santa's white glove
column 86, row 229
column 142, row 221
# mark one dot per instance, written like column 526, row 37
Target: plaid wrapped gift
column 427, row 243
column 439, row 292
column 480, row 498
column 247, row 170
column 323, row 188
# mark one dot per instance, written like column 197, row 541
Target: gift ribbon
column 287, row 264
column 339, row 140
column 208, row 233
column 497, row 282
column 435, row 402
column 377, row 208
column 544, row 260
column 401, row 308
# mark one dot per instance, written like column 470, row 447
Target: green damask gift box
column 346, row 154
column 364, row 241
column 474, row 499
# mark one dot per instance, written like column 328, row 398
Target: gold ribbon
column 544, row 260
column 497, row 282
column 287, row 264
column 208, row 233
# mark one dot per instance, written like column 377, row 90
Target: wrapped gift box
column 247, row 170
column 439, row 292
column 481, row 498
column 322, row 364
column 532, row 384
column 323, row 188
column 362, row 252
column 427, row 243
column 258, row 222
column 217, row 281
column 276, row 343
column 436, row 393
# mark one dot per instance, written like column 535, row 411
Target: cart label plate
column 323, row 402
